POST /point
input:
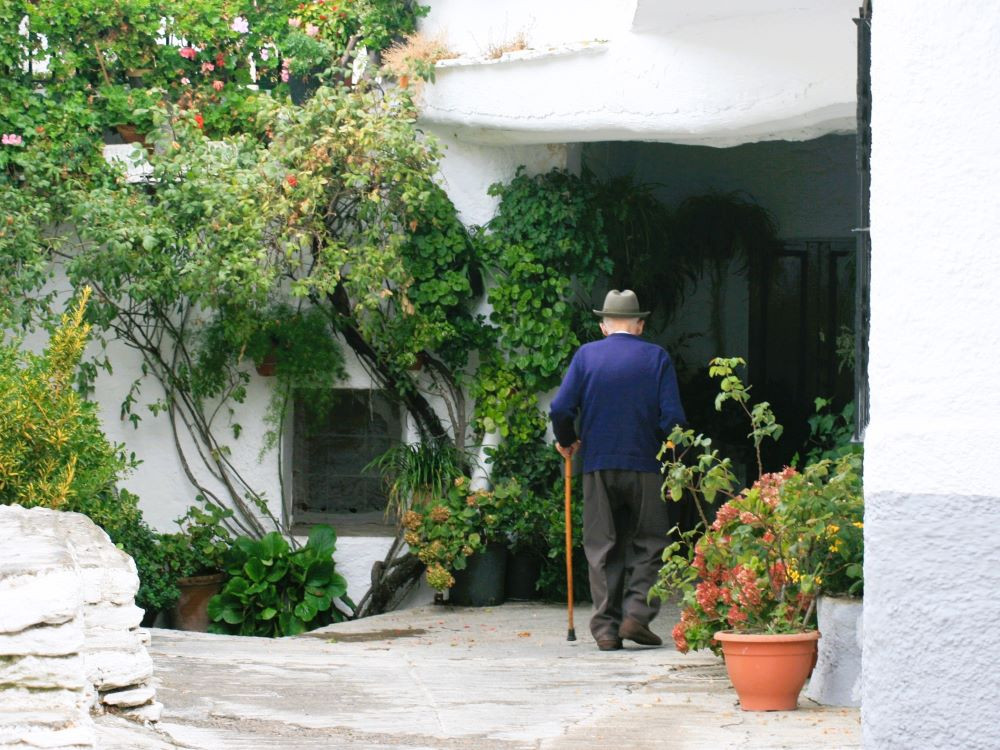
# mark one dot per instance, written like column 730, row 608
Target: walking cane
column 571, row 633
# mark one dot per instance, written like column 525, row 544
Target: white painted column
column 932, row 565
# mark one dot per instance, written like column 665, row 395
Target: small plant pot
column 268, row 366
column 136, row 76
column 191, row 611
column 130, row 134
column 768, row 671
column 481, row 584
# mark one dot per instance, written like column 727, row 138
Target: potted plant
column 294, row 344
column 529, row 517
column 195, row 557
column 749, row 578
column 275, row 590
column 128, row 110
column 459, row 536
column 417, row 471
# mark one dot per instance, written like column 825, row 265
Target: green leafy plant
column 831, row 433
column 276, row 591
column 706, row 474
column 201, row 546
column 444, row 531
column 123, row 105
column 417, row 471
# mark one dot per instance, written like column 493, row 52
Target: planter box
column 481, row 584
column 836, row 679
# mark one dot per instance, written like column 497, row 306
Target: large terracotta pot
column 768, row 671
column 191, row 610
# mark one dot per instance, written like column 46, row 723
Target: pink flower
column 240, row 25
column 207, row 67
column 295, row 22
column 679, row 634
column 707, row 593
column 726, row 513
column 187, row 53
column 11, row 139
column 217, row 85
column 311, row 29
column 265, row 54
column 284, row 70
column 186, row 81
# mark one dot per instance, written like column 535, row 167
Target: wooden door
column 801, row 301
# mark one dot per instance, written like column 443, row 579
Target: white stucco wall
column 932, row 560
column 721, row 73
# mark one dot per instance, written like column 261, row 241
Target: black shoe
column 633, row 630
column 609, row 644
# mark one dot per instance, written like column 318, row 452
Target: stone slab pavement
column 449, row 678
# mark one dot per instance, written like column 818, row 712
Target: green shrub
column 275, row 591
column 54, row 454
column 52, row 449
column 201, row 546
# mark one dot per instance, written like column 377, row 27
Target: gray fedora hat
column 621, row 305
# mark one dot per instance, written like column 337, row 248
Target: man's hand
column 567, row 451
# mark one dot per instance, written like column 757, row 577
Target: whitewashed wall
column 932, row 564
column 715, row 72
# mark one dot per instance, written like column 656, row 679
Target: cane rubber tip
column 571, row 635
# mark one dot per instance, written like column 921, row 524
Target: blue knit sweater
column 625, row 391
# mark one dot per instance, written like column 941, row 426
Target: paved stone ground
column 442, row 678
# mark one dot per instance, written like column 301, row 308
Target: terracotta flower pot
column 768, row 671
column 269, row 365
column 131, row 134
column 191, row 610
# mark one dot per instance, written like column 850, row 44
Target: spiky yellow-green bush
column 52, row 449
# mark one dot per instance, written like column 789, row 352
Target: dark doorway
column 802, row 334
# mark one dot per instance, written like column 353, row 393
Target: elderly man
column 624, row 391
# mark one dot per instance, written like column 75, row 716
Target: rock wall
column 70, row 642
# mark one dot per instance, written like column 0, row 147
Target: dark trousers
column 625, row 525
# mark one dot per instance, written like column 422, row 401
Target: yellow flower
column 858, row 524
column 792, row 570
column 832, row 529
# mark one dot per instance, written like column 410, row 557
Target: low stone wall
column 70, row 642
